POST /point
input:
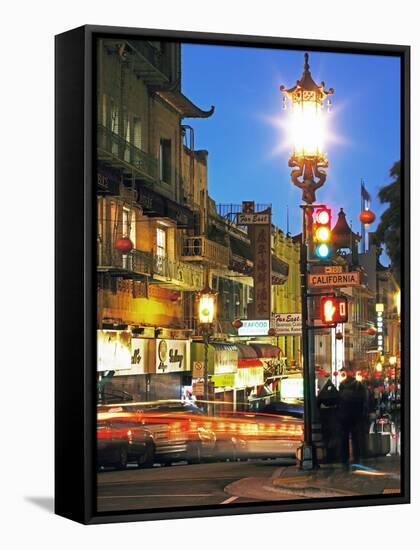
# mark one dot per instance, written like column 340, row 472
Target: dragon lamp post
column 307, row 160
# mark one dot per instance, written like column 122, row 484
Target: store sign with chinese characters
column 261, row 245
column 380, row 326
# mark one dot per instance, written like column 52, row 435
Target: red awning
column 245, row 363
column 265, row 351
column 247, row 356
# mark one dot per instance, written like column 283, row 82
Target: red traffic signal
column 334, row 310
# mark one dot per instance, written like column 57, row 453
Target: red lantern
column 338, row 336
column 124, row 245
column 175, row 297
column 271, row 331
column 392, row 387
column 371, row 331
column 237, row 323
column 335, row 373
column 367, row 217
column 322, row 373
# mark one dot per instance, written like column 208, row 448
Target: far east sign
column 324, row 280
column 287, row 324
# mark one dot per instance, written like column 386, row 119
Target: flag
column 365, row 194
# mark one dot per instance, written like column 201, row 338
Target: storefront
column 222, row 368
column 145, row 368
column 271, row 359
column 250, row 376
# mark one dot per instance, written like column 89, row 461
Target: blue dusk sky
column 246, row 137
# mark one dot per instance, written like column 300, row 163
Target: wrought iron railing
column 136, row 261
column 155, row 57
column 230, row 211
column 186, row 275
column 123, row 150
column 201, row 248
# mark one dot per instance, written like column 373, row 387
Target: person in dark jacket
column 352, row 413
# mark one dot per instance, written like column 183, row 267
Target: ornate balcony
column 201, row 249
column 160, row 270
column 116, row 152
column 136, row 264
column 177, row 274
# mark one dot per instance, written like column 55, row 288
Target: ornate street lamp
column 206, row 317
column 308, row 133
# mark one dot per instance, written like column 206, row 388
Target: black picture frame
column 75, row 289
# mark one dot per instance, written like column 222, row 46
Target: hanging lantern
column 271, row 331
column 338, row 335
column 322, row 372
column 335, row 373
column 175, row 297
column 124, row 245
column 367, row 216
column 371, row 331
column 237, row 323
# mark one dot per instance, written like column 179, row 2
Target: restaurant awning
column 247, row 356
column 265, row 351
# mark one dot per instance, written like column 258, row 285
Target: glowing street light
column 307, row 136
column 206, row 316
column 308, row 133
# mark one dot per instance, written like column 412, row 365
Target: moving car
column 120, row 442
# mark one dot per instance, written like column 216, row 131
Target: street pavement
column 229, row 483
column 374, row 477
column 178, row 485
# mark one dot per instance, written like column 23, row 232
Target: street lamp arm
column 308, row 176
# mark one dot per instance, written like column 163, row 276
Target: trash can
column 382, row 438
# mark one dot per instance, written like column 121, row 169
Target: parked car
column 120, row 442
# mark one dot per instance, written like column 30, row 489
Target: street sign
column 253, row 218
column 327, row 269
column 198, row 369
column 323, row 280
column 287, row 324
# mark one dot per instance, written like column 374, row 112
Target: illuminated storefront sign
column 254, row 327
column 291, row 388
column 224, row 380
column 114, row 350
column 287, row 323
column 380, row 326
column 225, row 359
column 172, row 355
column 249, row 377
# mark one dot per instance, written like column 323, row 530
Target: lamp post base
column 307, row 457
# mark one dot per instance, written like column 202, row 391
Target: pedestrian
column 327, row 401
column 352, row 413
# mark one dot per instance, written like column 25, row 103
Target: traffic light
column 334, row 310
column 322, row 232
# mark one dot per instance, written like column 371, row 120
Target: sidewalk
column 373, row 477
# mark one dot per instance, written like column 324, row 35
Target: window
column 161, row 242
column 165, row 160
column 137, row 131
column 129, row 224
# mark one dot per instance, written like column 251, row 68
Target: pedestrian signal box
column 334, row 310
